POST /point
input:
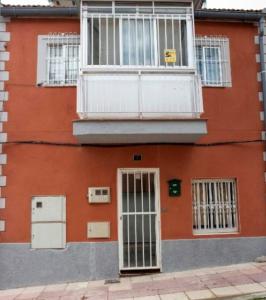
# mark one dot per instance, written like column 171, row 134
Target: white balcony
column 138, row 82
column 139, row 96
column 139, row 107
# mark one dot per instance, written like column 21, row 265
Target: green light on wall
column 174, row 187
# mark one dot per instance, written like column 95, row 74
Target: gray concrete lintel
column 125, row 132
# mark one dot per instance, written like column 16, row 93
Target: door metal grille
column 139, row 243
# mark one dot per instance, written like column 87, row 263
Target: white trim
column 158, row 214
column 2, row 203
column 2, row 225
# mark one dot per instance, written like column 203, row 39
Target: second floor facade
column 133, row 73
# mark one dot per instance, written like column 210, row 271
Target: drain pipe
column 262, row 35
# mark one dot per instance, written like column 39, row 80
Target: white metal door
column 139, row 219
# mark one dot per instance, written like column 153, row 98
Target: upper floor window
column 214, row 206
column 139, row 35
column 213, row 61
column 58, row 59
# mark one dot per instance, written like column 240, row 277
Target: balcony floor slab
column 139, row 131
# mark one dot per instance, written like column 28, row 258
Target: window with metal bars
column 213, row 60
column 62, row 59
column 126, row 34
column 214, row 206
column 58, row 59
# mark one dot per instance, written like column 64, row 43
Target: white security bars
column 142, row 35
column 214, row 206
column 139, row 220
column 62, row 59
column 213, row 60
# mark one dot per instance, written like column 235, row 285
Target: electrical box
column 48, row 209
column 99, row 195
column 98, row 230
column 48, row 235
column 48, row 222
column 174, row 186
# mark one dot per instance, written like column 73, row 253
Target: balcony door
column 139, row 219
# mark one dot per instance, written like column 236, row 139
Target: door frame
column 156, row 171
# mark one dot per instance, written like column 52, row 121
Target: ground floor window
column 214, row 206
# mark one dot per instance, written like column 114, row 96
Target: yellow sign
column 170, row 55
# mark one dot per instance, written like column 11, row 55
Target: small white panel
column 2, row 203
column 110, row 95
column 170, row 94
column 2, row 225
column 99, row 194
column 48, row 235
column 98, row 230
column 48, row 209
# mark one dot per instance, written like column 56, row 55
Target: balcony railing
column 139, row 95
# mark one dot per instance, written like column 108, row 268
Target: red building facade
column 113, row 198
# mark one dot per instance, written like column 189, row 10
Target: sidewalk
column 220, row 282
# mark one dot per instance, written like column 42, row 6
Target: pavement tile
column 48, row 298
column 31, row 292
column 144, row 293
column 262, row 266
column 12, row 292
column 171, row 291
column 76, row 286
column 216, row 283
column 148, row 298
column 73, row 298
column 239, row 280
column 226, row 291
column 251, row 270
column 155, row 285
column 258, row 277
column 184, row 274
column 96, row 291
column 146, row 278
column 197, row 295
column 120, row 287
column 96, row 283
column 263, row 284
column 55, row 287
column 51, row 294
column 120, row 295
column 28, row 296
column 176, row 296
column 7, row 297
column 163, row 276
column 230, row 274
column 250, row 288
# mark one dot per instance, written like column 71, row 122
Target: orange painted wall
column 46, row 114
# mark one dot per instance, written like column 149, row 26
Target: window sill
column 45, row 85
column 212, row 232
column 216, row 86
column 136, row 69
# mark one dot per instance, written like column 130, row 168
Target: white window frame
column 205, row 75
column 221, row 43
column 43, row 52
column 84, row 42
column 200, row 208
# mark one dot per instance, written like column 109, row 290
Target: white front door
column 139, row 219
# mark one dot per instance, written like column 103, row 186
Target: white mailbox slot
column 98, row 230
column 99, row 194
